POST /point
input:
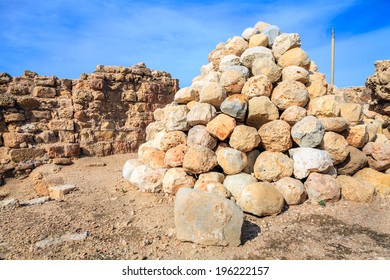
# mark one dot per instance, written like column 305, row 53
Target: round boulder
column 308, row 132
column 199, row 159
column 272, row 166
column 236, row 183
column 235, row 106
column 251, row 54
column 232, row 81
column 260, row 111
column 268, row 67
column 176, row 178
column 231, row 160
column 261, row 199
column 289, row 93
column 198, row 135
column 259, row 85
column 275, row 136
column 201, row 113
column 244, row 138
column 322, row 188
column 294, row 56
column 172, row 139
column 295, row 73
column 174, row 156
column 355, row 190
column 221, row 126
column 293, row 114
column 212, row 93
column 336, row 145
column 292, row 190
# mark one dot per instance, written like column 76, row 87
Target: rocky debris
column 9, row 203
column 58, row 240
column 261, row 199
column 62, row 161
column 261, row 111
column 207, row 219
column 99, row 114
column 35, row 201
column 59, row 192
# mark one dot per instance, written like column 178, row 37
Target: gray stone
column 9, row 203
column 235, row 106
column 251, row 54
column 272, row 31
column 236, row 183
column 308, row 132
column 207, row 219
column 201, row 113
column 35, row 201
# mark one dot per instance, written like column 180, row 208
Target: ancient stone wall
column 379, row 87
column 103, row 113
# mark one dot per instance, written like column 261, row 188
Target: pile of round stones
column 261, row 127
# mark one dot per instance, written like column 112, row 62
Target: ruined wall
column 379, row 87
column 103, row 113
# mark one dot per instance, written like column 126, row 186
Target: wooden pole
column 332, row 59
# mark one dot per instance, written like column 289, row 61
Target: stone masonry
column 44, row 118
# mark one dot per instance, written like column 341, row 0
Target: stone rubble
column 264, row 128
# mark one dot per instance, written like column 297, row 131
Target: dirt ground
column 122, row 223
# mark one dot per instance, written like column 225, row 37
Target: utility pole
column 332, row 59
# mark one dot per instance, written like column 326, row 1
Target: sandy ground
column 122, row 223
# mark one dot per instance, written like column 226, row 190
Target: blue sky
column 67, row 38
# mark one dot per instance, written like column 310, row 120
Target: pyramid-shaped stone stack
column 260, row 126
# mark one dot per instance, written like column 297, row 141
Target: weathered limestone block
column 44, row 92
column 207, row 219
